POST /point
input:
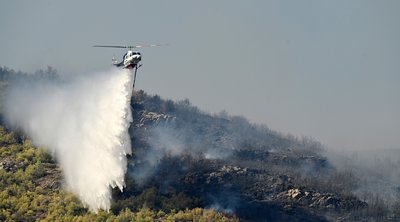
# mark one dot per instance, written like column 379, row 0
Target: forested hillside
column 31, row 181
column 189, row 165
column 31, row 190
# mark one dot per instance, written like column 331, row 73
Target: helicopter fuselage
column 131, row 59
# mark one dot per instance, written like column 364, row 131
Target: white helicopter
column 131, row 59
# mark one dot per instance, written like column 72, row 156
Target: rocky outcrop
column 51, row 178
column 322, row 201
column 8, row 165
column 147, row 119
column 225, row 173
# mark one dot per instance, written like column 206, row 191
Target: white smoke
column 84, row 123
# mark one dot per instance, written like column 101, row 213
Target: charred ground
column 184, row 157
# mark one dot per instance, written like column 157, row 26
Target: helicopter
column 131, row 59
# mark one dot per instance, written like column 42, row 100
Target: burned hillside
column 183, row 157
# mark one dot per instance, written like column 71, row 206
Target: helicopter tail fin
column 116, row 63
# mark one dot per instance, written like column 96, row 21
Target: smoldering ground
column 194, row 138
column 171, row 140
column 375, row 171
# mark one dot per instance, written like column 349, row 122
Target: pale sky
column 326, row 69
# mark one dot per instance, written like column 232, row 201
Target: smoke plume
column 83, row 122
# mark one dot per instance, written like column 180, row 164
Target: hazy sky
column 326, row 69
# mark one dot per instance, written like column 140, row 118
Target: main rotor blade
column 111, row 46
column 130, row 46
column 150, row 45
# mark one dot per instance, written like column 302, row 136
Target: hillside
column 229, row 164
column 189, row 165
column 30, row 183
